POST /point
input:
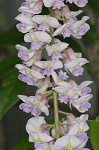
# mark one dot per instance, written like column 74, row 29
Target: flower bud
column 37, row 69
column 70, row 119
column 65, row 10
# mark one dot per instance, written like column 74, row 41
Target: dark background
column 12, row 126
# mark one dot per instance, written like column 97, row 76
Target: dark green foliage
column 94, row 133
column 9, row 89
column 24, row 144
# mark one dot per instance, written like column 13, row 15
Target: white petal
column 73, row 13
column 42, row 146
column 28, row 37
column 84, row 84
column 76, row 63
column 75, row 141
column 44, row 137
column 32, row 8
column 62, row 46
column 53, row 22
column 28, row 100
column 22, row 69
column 21, row 48
column 60, row 89
column 57, row 65
column 23, row 98
column 40, row 64
column 74, row 129
column 44, row 109
column 27, row 29
column 84, row 117
column 63, row 141
column 59, row 30
column 71, row 65
column 83, row 61
column 31, row 61
column 55, row 76
column 38, row 18
column 37, row 75
column 24, row 19
column 56, row 147
column 49, row 50
column 84, row 126
column 48, row 3
column 43, row 36
column 31, row 138
column 33, row 124
column 85, row 98
column 85, row 18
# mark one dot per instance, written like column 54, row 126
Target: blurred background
column 13, row 121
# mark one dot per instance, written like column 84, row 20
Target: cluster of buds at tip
column 52, row 76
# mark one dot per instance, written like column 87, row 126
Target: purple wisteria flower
column 49, row 66
column 37, row 39
column 29, row 56
column 31, row 7
column 56, row 4
column 26, row 24
column 73, row 27
column 74, row 62
column 72, row 93
column 63, row 75
column 28, row 75
column 55, row 50
column 33, row 105
column 45, row 22
column 35, row 128
column 79, row 3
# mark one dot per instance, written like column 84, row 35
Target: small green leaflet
column 94, row 133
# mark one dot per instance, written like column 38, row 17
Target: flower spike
column 52, row 76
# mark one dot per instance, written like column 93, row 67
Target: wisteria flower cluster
column 52, row 76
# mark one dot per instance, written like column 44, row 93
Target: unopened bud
column 65, row 10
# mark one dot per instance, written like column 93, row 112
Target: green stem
column 50, row 125
column 48, row 93
column 62, row 112
column 51, row 97
column 56, row 115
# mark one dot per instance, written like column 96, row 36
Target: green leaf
column 94, row 133
column 23, row 145
column 12, row 37
column 7, row 65
column 9, row 90
column 94, row 4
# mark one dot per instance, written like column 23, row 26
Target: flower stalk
column 56, row 115
column 62, row 112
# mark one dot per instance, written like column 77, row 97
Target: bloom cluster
column 52, row 76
